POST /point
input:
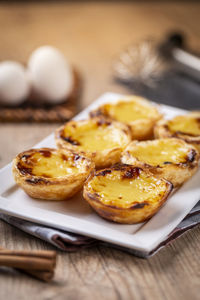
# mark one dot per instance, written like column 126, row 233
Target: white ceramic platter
column 76, row 216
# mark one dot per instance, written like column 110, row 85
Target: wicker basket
column 33, row 111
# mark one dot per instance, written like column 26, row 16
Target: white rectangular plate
column 76, row 216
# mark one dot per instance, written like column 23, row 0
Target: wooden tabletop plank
column 91, row 34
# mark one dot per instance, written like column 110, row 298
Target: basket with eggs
column 46, row 89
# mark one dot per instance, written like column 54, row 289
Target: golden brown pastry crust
column 137, row 211
column 50, row 188
column 161, row 130
column 141, row 129
column 101, row 158
column 177, row 172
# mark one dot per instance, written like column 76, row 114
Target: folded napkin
column 71, row 242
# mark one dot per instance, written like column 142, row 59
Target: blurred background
column 91, row 34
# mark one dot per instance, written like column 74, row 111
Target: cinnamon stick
column 44, row 276
column 39, row 264
column 40, row 253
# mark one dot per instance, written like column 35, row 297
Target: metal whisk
column 140, row 63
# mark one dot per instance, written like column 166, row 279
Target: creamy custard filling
column 160, row 152
column 124, row 192
column 185, row 124
column 92, row 137
column 128, row 111
column 55, row 166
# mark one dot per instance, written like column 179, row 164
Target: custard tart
column 100, row 139
column 136, row 112
column 170, row 158
column 51, row 174
column 126, row 194
column 185, row 127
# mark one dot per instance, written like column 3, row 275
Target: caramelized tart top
column 50, row 163
column 187, row 124
column 128, row 110
column 95, row 134
column 127, row 186
column 162, row 152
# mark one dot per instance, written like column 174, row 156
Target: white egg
column 14, row 83
column 51, row 75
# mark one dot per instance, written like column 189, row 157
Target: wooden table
column 90, row 34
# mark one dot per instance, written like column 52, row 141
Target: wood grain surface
column 91, row 34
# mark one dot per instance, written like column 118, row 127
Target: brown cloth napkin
column 71, row 242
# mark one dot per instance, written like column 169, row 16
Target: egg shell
column 14, row 83
column 51, row 75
